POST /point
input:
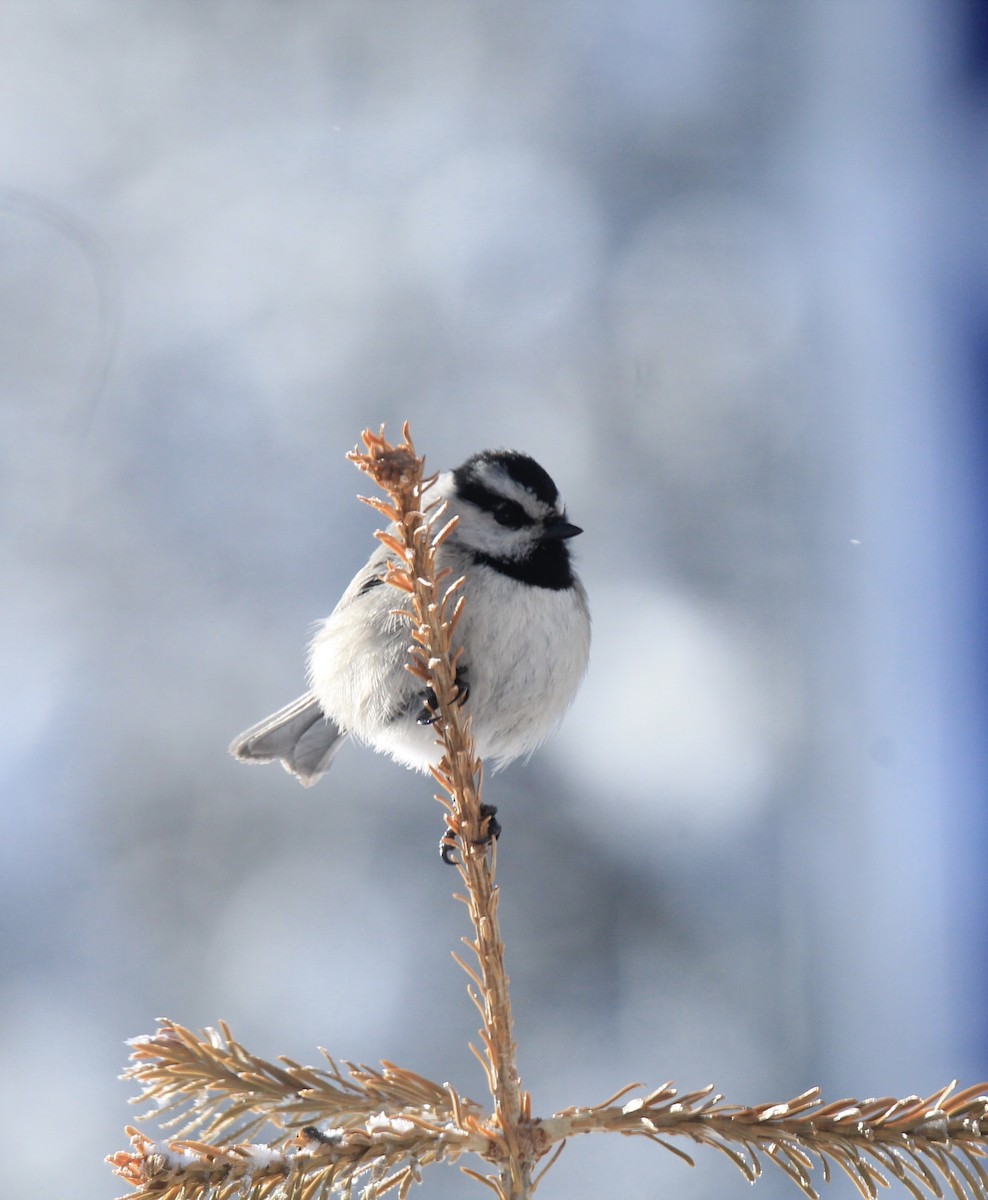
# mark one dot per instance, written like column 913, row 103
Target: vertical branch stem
column 434, row 604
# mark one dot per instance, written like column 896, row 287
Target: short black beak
column 560, row 529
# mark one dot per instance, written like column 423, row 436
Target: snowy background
column 720, row 266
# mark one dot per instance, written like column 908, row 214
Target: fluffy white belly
column 524, row 648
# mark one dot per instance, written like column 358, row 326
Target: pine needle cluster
column 333, row 1128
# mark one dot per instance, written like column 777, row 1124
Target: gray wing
column 299, row 735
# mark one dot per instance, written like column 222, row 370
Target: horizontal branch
column 922, row 1143
column 209, row 1083
column 390, row 1123
column 391, row 1150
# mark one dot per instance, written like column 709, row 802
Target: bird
column 524, row 632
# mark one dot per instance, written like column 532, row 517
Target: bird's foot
column 429, row 712
column 447, row 843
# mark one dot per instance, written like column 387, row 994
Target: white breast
column 526, row 650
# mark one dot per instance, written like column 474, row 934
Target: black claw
column 493, row 824
column 429, row 712
column 446, row 846
column 462, row 685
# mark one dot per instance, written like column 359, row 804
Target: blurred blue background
column 721, row 266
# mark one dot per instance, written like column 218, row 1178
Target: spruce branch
column 337, row 1126
column 434, row 607
column 210, row 1084
column 319, row 1163
column 340, row 1125
column 382, row 1127
column 922, row 1143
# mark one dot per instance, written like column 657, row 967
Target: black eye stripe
column 507, row 512
column 504, row 511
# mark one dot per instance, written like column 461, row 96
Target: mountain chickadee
column 525, row 633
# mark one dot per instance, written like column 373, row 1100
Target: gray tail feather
column 299, row 735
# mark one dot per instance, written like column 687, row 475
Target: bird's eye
column 510, row 514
